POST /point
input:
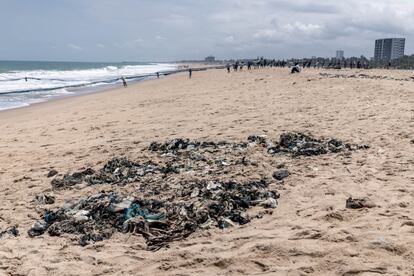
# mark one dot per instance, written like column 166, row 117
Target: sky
column 169, row 30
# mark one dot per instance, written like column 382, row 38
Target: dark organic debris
column 52, row 173
column 185, row 155
column 281, row 174
column 359, row 203
column 115, row 171
column 298, row 143
column 122, row 171
column 43, row 198
column 70, row 180
column 12, row 231
column 196, row 205
column 180, row 186
column 177, row 144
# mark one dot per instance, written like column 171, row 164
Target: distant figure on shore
column 228, row 67
column 190, row 73
column 25, row 79
column 158, row 75
column 124, row 82
column 295, row 69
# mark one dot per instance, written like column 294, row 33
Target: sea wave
column 48, row 80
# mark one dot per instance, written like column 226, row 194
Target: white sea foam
column 42, row 85
column 13, row 82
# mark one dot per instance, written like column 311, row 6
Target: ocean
column 26, row 82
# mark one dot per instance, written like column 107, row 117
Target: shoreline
column 88, row 92
column 93, row 90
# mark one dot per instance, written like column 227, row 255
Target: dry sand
column 310, row 232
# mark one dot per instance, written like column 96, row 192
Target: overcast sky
column 165, row 30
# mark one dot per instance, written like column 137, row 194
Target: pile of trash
column 177, row 144
column 195, row 205
column 116, row 171
column 179, row 187
column 297, row 144
column 185, row 155
column 12, row 231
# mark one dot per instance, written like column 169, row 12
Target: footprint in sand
column 311, row 234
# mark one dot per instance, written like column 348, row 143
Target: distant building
column 340, row 54
column 389, row 48
column 210, row 59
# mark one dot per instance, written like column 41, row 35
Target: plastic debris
column 179, row 187
column 43, row 198
column 297, row 144
column 38, row 228
column 281, row 174
column 269, row 203
column 359, row 203
column 12, row 231
column 52, row 173
column 159, row 221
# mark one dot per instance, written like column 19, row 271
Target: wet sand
column 310, row 232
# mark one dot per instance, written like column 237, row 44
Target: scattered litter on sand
column 180, row 186
column 301, row 144
column 52, row 173
column 195, row 205
column 12, row 231
column 359, row 203
column 44, row 199
column 281, row 174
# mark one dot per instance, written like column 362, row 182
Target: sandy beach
column 309, row 233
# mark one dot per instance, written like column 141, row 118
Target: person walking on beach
column 295, row 69
column 190, row 73
column 228, row 67
column 235, row 66
column 158, row 75
column 124, row 82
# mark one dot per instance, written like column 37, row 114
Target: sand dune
column 309, row 233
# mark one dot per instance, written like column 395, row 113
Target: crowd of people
column 297, row 65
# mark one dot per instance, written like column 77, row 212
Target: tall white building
column 389, row 48
column 339, row 54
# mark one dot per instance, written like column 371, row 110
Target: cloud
column 159, row 37
column 267, row 35
column 194, row 29
column 74, row 47
column 229, row 39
